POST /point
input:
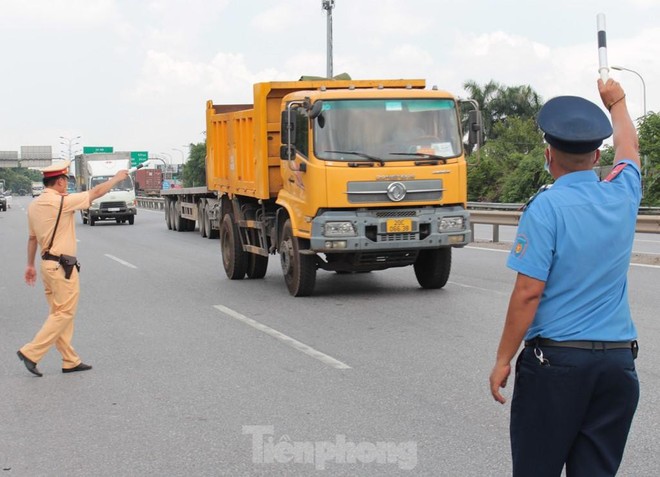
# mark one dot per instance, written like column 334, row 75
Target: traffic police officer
column 576, row 389
column 55, row 206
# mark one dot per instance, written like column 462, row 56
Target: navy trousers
column 575, row 411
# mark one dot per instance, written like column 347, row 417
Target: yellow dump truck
column 339, row 175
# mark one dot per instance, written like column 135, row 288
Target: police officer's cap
column 574, row 125
column 54, row 170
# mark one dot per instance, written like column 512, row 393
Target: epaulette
column 615, row 171
column 531, row 199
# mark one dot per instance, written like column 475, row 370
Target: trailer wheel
column 211, row 233
column 178, row 223
column 432, row 267
column 299, row 270
column 201, row 219
column 257, row 266
column 168, row 214
column 234, row 259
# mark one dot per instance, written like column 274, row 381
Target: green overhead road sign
column 138, row 157
column 97, row 149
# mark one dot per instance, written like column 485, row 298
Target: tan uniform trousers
column 62, row 296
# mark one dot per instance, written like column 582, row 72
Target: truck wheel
column 82, row 216
column 131, row 219
column 200, row 218
column 257, row 266
column 234, row 259
column 299, row 270
column 432, row 267
column 168, row 215
column 211, row 233
column 91, row 221
column 176, row 216
column 172, row 215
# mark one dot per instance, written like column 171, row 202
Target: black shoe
column 29, row 364
column 80, row 367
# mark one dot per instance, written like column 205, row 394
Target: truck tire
column 234, row 259
column 200, row 218
column 82, row 216
column 178, row 222
column 168, row 215
column 257, row 266
column 131, row 219
column 299, row 270
column 211, row 233
column 432, row 267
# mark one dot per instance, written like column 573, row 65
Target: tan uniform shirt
column 42, row 214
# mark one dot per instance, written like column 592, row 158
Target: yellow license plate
column 395, row 226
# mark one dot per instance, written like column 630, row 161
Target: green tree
column 19, row 178
column 194, row 170
column 649, row 151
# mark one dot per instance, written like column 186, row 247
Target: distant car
column 3, row 202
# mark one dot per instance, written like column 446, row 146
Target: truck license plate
column 395, row 226
column 114, row 209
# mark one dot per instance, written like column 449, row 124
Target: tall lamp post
column 183, row 157
column 645, row 165
column 69, row 142
column 328, row 5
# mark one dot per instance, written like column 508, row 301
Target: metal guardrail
column 649, row 224
column 156, row 203
column 487, row 213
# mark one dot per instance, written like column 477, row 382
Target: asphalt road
column 198, row 375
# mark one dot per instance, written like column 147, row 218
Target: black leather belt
column 50, row 256
column 591, row 345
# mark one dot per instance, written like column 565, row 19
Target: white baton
column 603, row 69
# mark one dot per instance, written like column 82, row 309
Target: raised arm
column 626, row 144
column 104, row 188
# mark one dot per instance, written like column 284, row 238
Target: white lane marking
column 119, row 260
column 477, row 288
column 295, row 344
column 489, row 249
column 644, row 265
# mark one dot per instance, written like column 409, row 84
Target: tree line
column 509, row 167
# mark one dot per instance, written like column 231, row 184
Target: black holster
column 68, row 262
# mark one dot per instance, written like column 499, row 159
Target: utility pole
column 328, row 5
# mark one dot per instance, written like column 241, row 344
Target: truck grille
column 396, row 213
column 376, row 191
column 397, row 237
column 107, row 205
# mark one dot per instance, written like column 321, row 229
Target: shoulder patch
column 520, row 246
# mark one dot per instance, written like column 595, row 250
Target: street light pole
column 69, row 142
column 621, row 68
column 328, row 5
column 183, row 157
column 645, row 163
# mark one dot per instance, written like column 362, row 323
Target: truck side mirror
column 316, row 109
column 475, row 127
column 287, row 152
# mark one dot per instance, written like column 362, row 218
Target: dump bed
column 243, row 141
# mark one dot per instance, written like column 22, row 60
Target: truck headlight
column 451, row 224
column 339, row 229
column 95, row 205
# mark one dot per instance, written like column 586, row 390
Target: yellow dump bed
column 243, row 141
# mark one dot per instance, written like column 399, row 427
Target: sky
column 136, row 74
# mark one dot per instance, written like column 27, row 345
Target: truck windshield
column 126, row 184
column 389, row 129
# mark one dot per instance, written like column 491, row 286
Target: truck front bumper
column 112, row 210
column 390, row 229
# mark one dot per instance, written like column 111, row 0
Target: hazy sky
column 136, row 74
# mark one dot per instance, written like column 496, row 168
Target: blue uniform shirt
column 577, row 237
